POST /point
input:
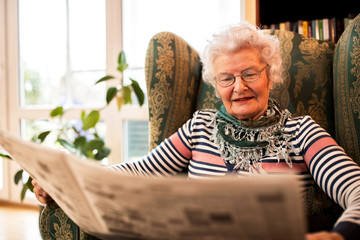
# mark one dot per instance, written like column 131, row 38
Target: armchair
column 175, row 91
column 321, row 79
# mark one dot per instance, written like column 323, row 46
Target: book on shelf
column 327, row 29
column 310, row 29
column 325, row 24
column 305, row 28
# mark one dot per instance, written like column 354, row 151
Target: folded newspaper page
column 111, row 205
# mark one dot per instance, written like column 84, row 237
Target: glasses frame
column 259, row 72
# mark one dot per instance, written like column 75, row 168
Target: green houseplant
column 81, row 137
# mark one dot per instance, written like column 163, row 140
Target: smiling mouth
column 242, row 99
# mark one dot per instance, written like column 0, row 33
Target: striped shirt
column 319, row 159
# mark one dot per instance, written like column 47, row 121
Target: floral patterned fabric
column 308, row 84
column 347, row 90
column 55, row 224
column 172, row 71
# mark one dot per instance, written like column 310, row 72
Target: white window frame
column 11, row 112
column 5, row 191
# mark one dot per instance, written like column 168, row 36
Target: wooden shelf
column 277, row 11
column 321, row 21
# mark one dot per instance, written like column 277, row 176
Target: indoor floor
column 18, row 222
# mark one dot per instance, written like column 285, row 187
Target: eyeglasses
column 248, row 75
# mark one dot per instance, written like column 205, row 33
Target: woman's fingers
column 41, row 195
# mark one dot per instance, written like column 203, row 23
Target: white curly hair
column 242, row 36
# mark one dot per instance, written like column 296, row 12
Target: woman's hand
column 324, row 236
column 42, row 196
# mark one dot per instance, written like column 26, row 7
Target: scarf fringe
column 233, row 141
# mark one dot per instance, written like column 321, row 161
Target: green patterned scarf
column 245, row 142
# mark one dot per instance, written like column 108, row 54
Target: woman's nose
column 239, row 84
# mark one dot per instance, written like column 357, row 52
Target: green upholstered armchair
column 321, row 79
column 175, row 91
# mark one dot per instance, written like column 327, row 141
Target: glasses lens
column 225, row 79
column 250, row 75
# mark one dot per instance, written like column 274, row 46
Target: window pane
column 136, row 143
column 195, row 21
column 62, row 45
column 87, row 34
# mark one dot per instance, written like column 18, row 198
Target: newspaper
column 111, row 205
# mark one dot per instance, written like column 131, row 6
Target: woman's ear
column 217, row 94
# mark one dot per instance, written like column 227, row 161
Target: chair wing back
column 347, row 89
column 308, row 81
column 173, row 76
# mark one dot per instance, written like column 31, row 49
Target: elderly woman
column 250, row 134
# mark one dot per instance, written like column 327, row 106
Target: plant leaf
column 67, row 145
column 42, row 136
column 138, row 91
column 111, row 92
column 121, row 57
column 79, row 141
column 102, row 153
column 29, row 184
column 58, row 111
column 23, row 192
column 127, row 94
column 120, row 102
column 96, row 143
column 107, row 77
column 91, row 120
column 18, row 176
column 82, row 116
column 4, row 156
column 122, row 65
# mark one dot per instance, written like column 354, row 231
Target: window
column 61, row 54
column 54, row 57
column 136, row 144
column 56, row 50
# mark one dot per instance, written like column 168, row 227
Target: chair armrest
column 55, row 224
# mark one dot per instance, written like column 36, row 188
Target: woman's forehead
column 239, row 60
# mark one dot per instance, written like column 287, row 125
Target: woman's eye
column 227, row 79
column 248, row 74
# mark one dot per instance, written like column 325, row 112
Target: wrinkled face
column 243, row 100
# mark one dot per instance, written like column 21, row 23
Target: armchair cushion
column 347, row 89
